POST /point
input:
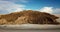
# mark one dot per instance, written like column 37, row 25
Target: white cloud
column 57, row 10
column 28, row 9
column 8, row 6
column 50, row 10
column 47, row 9
column 19, row 9
column 23, row 1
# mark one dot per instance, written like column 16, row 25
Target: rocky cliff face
column 28, row 17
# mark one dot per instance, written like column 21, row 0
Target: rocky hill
column 28, row 17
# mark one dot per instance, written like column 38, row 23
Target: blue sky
column 49, row 6
column 36, row 4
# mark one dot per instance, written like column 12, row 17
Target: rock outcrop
column 29, row 17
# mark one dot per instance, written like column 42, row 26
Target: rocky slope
column 28, row 17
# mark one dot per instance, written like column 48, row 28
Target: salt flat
column 30, row 30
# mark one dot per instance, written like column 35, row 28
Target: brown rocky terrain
column 28, row 17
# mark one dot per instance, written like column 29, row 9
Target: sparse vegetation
column 29, row 17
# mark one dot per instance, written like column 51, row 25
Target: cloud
column 7, row 6
column 47, row 9
column 50, row 10
column 23, row 1
column 56, row 11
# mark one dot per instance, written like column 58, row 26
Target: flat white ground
column 29, row 30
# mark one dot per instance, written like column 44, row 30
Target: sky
column 48, row 6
